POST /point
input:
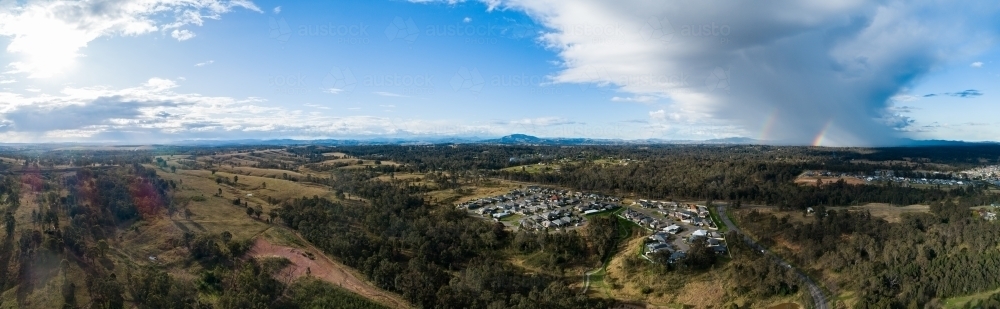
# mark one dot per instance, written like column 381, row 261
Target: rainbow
column 818, row 141
column 765, row 131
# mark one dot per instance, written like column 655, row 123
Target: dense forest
column 945, row 253
column 753, row 174
column 435, row 256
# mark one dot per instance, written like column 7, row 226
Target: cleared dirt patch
column 322, row 267
column 811, row 180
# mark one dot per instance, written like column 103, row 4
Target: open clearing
column 881, row 210
column 811, row 180
column 888, row 212
column 310, row 261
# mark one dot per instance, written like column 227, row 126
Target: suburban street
column 814, row 289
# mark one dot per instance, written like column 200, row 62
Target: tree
column 107, row 293
column 102, row 247
column 263, row 185
column 154, row 288
column 258, row 210
column 226, row 236
column 249, row 211
column 273, row 213
column 9, row 223
column 236, row 179
column 700, row 255
column 173, row 169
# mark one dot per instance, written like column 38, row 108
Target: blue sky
column 851, row 73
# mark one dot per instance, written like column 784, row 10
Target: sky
column 809, row 72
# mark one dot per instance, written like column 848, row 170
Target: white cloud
column 47, row 36
column 977, row 64
column 539, row 122
column 333, row 90
column 7, row 81
column 467, row 20
column 316, row 106
column 449, row 2
column 742, row 62
column 277, row 10
column 390, row 94
column 182, row 34
column 663, row 115
column 155, row 111
column 201, row 64
column 639, row 99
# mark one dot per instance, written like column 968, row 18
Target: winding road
column 814, row 289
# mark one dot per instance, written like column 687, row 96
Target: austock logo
column 339, row 81
column 718, row 80
column 279, row 29
column 400, row 29
column 469, row 80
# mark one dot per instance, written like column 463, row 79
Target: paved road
column 814, row 290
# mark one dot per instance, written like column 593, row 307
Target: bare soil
column 322, row 267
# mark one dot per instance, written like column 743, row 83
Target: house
column 660, row 237
column 673, row 229
column 676, row 256
column 712, row 242
column 698, row 234
column 655, row 247
column 719, row 249
column 703, row 211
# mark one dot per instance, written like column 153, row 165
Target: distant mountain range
column 524, row 139
column 513, row 139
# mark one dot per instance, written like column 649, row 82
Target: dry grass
column 411, row 177
column 888, row 212
column 486, row 190
column 202, row 182
column 666, row 290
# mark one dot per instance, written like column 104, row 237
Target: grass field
column 534, row 168
column 967, row 300
column 723, row 228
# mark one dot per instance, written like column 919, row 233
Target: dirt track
column 326, row 269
